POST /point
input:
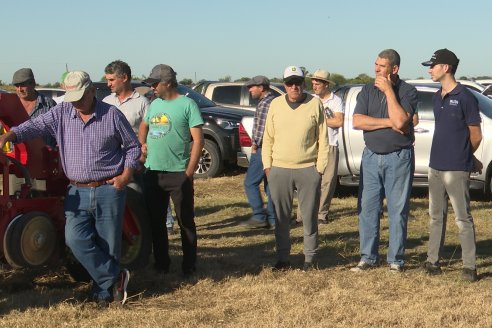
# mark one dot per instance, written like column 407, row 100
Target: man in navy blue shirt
column 457, row 136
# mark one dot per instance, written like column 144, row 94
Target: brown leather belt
column 92, row 184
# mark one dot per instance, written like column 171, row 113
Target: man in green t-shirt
column 171, row 122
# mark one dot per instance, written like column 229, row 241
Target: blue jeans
column 389, row 175
column 93, row 232
column 254, row 176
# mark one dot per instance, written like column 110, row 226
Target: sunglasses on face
column 297, row 83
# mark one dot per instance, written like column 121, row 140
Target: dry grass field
column 235, row 286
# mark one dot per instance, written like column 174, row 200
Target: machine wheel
column 137, row 237
column 210, row 163
column 31, row 241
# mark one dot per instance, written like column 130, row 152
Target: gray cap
column 258, row 80
column 22, row 75
column 160, row 73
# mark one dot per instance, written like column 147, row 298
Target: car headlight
column 227, row 124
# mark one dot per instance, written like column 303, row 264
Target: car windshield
column 200, row 100
column 484, row 103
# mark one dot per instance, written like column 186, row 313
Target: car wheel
column 210, row 164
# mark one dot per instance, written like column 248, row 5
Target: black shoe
column 309, row 266
column 119, row 288
column 253, row 224
column 362, row 266
column 102, row 304
column 281, row 266
column 431, row 269
column 469, row 275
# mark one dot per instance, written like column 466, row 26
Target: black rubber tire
column 210, row 164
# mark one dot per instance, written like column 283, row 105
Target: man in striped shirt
column 259, row 87
column 99, row 152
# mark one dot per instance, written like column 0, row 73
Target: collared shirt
column 451, row 148
column 134, row 107
column 43, row 104
column 372, row 102
column 260, row 118
column 93, row 151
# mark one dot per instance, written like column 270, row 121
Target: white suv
column 233, row 94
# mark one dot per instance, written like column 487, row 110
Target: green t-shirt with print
column 168, row 140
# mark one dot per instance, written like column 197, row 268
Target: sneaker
column 253, row 224
column 271, row 225
column 309, row 266
column 395, row 268
column 281, row 266
column 119, row 288
column 362, row 266
column 469, row 274
column 431, row 269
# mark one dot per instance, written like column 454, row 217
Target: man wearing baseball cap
column 34, row 103
column 99, row 152
column 457, row 136
column 259, row 88
column 171, row 121
column 294, row 156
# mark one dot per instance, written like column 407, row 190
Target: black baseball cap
column 442, row 56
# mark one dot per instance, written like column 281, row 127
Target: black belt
column 92, row 184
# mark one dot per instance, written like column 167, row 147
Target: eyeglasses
column 297, row 83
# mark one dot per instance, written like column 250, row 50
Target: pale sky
column 211, row 39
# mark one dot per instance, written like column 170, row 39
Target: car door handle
column 420, row 130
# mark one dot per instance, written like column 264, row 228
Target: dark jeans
column 158, row 187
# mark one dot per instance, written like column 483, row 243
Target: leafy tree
column 361, row 79
column 243, row 79
column 188, row 82
column 463, row 78
column 338, row 79
column 477, row 78
column 226, row 78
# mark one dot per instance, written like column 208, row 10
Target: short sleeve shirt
column 372, row 102
column 451, row 149
column 331, row 106
column 169, row 136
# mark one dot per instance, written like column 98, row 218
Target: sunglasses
column 297, row 83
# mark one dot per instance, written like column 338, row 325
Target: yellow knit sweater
column 295, row 138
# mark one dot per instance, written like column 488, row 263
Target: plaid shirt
column 96, row 150
column 44, row 104
column 260, row 119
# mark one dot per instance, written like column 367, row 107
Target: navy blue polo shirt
column 372, row 102
column 451, row 148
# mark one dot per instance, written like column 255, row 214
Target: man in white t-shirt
column 334, row 115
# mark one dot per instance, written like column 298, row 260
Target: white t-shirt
column 333, row 105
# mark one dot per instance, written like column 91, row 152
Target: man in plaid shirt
column 259, row 87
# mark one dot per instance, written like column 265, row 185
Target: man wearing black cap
column 33, row 102
column 171, row 121
column 259, row 87
column 294, row 155
column 457, row 136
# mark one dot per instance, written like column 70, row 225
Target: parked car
column 485, row 82
column 233, row 94
column 351, row 141
column 51, row 92
column 220, row 130
column 472, row 85
column 3, row 91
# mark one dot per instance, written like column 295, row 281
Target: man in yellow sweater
column 295, row 152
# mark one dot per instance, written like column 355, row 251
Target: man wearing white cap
column 294, row 157
column 334, row 114
column 99, row 152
